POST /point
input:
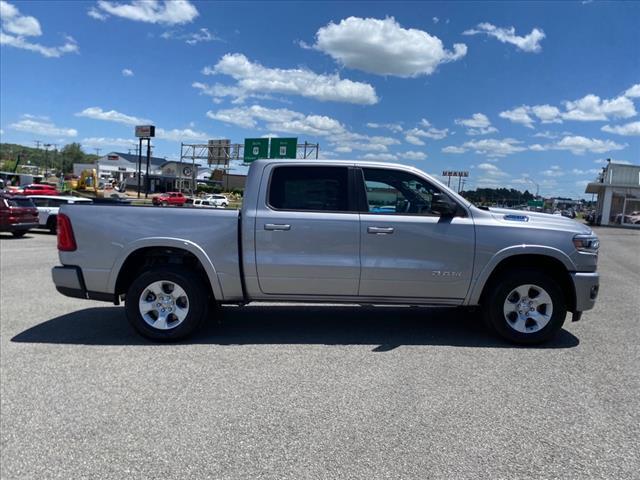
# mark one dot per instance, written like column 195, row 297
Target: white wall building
column 618, row 190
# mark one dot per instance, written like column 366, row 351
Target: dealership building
column 164, row 175
column 618, row 191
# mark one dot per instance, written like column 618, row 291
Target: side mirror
column 441, row 205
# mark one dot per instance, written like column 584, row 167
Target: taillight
column 66, row 240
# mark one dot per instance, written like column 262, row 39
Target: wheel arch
column 551, row 261
column 146, row 253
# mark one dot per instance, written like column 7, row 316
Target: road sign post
column 255, row 149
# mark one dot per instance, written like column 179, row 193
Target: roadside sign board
column 454, row 173
column 219, row 151
column 255, row 148
column 145, row 131
column 283, row 148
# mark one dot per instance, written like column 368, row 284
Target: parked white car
column 218, row 200
column 48, row 206
column 203, row 203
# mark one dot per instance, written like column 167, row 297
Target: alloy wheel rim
column 163, row 305
column 528, row 308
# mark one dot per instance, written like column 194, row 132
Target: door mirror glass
column 443, row 206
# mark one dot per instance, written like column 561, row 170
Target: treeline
column 53, row 160
column 503, row 196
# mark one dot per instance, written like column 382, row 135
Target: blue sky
column 512, row 92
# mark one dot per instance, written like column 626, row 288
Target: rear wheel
column 19, row 233
column 525, row 307
column 166, row 303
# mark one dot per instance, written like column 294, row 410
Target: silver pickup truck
column 330, row 231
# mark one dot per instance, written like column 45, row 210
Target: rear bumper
column 586, row 287
column 69, row 281
column 18, row 227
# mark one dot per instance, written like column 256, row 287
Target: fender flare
column 167, row 242
column 513, row 251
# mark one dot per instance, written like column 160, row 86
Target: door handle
column 380, row 230
column 277, row 226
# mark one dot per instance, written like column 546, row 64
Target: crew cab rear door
column 307, row 233
column 409, row 251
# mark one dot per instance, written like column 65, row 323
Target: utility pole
column 46, row 159
column 38, row 143
column 97, row 151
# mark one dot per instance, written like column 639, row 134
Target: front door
column 407, row 249
column 307, row 236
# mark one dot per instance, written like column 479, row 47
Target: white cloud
column 518, row 115
column 108, row 142
column 413, row 155
column 547, row 113
column 282, row 120
column 253, row 78
column 491, row 170
column 412, row 139
column 554, row 171
column 592, row 108
column 478, row 124
column 546, row 134
column 528, row 43
column 433, row 133
column 380, row 157
column 178, row 135
column 477, row 120
column 127, row 72
column 493, row 147
column 15, row 29
column 111, row 116
column 394, row 127
column 383, row 47
column 579, row 145
column 453, row 149
column 38, row 127
column 15, row 23
column 630, row 129
column 435, row 19
column 94, row 13
column 168, row 12
column 192, row 38
column 633, row 92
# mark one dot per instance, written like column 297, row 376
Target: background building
column 618, row 190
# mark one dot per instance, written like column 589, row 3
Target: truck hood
column 535, row 219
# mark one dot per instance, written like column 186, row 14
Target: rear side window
column 310, row 188
column 20, row 202
column 41, row 202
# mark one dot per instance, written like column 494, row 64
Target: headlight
column 586, row 243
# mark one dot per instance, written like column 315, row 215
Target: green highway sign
column 255, row 148
column 283, row 148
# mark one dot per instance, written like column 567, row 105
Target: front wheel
column 166, row 303
column 525, row 307
column 19, row 233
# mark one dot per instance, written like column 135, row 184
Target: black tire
column 494, row 304
column 52, row 224
column 19, row 233
column 196, row 293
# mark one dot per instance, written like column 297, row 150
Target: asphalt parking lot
column 314, row 392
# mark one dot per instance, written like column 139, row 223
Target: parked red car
column 39, row 189
column 17, row 215
column 169, row 198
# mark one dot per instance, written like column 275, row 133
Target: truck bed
column 106, row 235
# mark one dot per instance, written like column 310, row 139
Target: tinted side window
column 40, row 202
column 398, row 192
column 310, row 188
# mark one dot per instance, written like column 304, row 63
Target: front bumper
column 69, row 281
column 586, row 286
